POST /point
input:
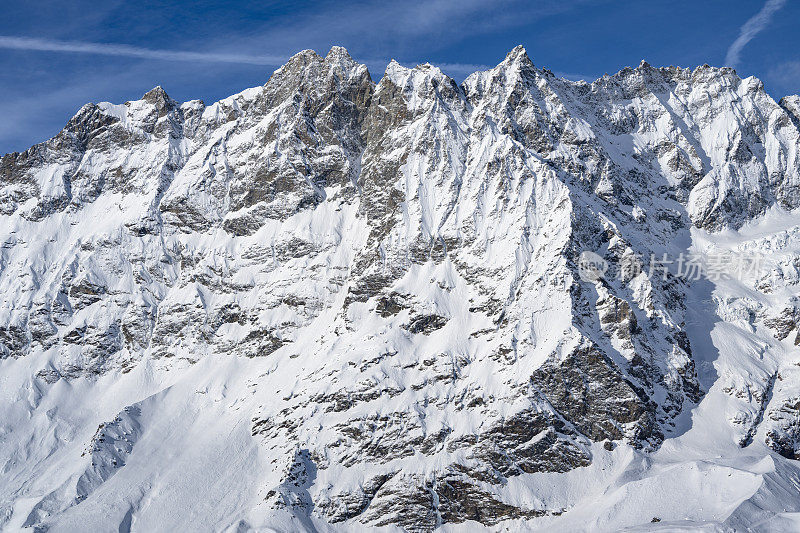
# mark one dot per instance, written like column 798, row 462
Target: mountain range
column 330, row 304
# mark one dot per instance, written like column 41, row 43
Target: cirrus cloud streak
column 124, row 50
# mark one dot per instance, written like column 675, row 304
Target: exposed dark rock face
column 606, row 406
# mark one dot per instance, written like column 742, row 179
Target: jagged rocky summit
column 326, row 303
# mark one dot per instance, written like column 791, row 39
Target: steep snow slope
column 328, row 303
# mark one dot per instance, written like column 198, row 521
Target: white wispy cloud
column 750, row 29
column 124, row 50
column 384, row 28
column 786, row 76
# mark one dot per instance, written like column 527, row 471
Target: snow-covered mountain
column 327, row 304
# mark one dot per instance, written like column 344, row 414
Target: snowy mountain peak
column 339, row 52
column 518, row 56
column 156, row 94
column 298, row 62
column 422, row 77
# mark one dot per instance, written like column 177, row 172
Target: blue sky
column 55, row 55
